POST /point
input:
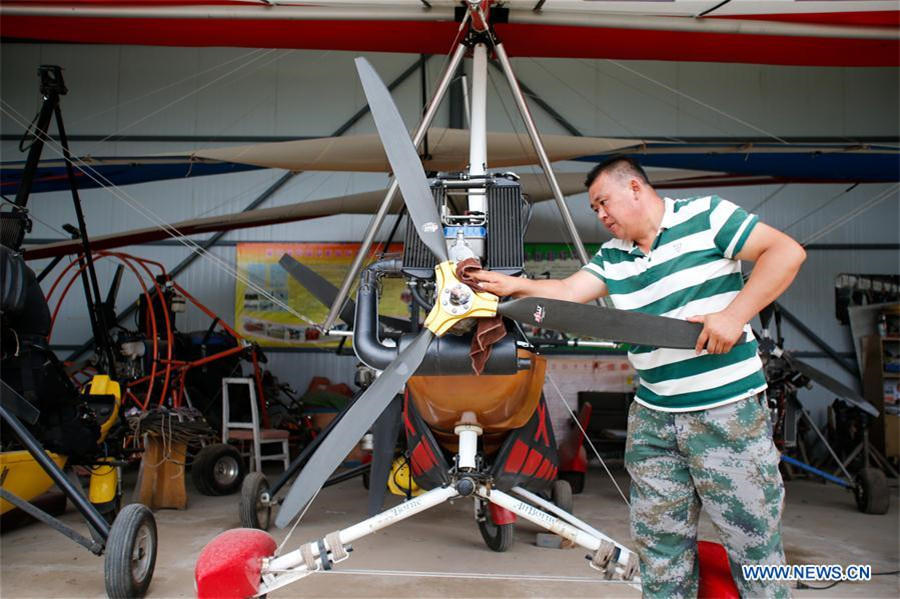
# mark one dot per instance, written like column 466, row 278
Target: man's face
column 614, row 200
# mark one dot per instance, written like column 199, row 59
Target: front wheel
column 255, row 513
column 498, row 537
column 561, row 495
column 130, row 552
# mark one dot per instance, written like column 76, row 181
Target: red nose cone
column 229, row 565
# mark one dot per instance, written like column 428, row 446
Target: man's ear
column 635, row 185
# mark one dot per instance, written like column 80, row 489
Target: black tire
column 254, row 513
column 498, row 537
column 130, row 552
column 218, row 470
column 575, row 479
column 871, row 491
column 561, row 495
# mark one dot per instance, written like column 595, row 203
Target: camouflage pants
column 723, row 459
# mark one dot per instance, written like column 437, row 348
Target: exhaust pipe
column 447, row 355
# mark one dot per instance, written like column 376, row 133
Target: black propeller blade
column 325, row 292
column 404, row 160
column 603, row 323
column 832, row 385
column 352, row 427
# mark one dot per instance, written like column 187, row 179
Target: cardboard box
column 892, row 435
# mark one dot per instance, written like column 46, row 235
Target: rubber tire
column 575, row 478
column 134, row 525
column 255, row 484
column 871, row 491
column 561, row 495
column 216, row 457
column 498, row 537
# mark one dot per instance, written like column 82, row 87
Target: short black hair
column 619, row 164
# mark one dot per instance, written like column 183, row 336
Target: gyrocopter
column 482, row 437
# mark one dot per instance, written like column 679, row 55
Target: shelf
column 891, row 338
column 891, row 375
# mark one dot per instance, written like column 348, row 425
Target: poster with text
column 264, row 291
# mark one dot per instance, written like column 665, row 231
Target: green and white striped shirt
column 689, row 271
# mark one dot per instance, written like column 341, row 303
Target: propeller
column 830, row 384
column 604, row 323
column 325, row 292
column 579, row 319
column 774, row 347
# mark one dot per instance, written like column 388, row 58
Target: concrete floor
column 438, row 552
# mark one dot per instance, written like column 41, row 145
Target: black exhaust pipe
column 447, row 355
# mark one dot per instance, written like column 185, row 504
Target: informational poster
column 260, row 314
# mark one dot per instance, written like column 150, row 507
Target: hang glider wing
column 447, row 150
column 795, row 163
column 745, row 163
column 788, row 32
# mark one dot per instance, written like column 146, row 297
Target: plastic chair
column 242, row 430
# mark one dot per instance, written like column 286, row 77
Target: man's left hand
column 720, row 332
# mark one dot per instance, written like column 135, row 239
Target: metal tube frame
column 95, row 521
column 321, row 554
column 478, row 130
column 283, row 570
column 539, row 149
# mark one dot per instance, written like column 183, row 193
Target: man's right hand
column 497, row 283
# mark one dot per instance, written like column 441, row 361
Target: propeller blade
column 325, row 292
column 832, row 385
column 404, row 161
column 358, row 419
column 386, row 431
column 603, row 323
column 319, row 286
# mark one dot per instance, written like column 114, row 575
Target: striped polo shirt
column 689, row 271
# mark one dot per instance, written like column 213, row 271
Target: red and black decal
column 528, row 455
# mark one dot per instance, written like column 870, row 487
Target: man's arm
column 778, row 259
column 581, row 287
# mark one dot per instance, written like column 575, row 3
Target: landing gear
column 871, row 491
column 575, row 480
column 466, row 480
column 218, row 470
column 498, row 537
column 255, row 509
column 130, row 553
column 561, row 495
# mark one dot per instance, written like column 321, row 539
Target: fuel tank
column 500, row 401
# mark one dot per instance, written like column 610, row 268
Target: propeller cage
column 504, row 232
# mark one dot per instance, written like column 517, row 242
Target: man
column 698, row 430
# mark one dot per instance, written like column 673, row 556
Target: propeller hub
column 456, row 301
column 457, row 296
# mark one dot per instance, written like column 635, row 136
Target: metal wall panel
column 221, row 91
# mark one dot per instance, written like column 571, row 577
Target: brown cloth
column 489, row 330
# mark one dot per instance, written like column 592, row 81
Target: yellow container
column 104, row 483
column 399, row 480
column 24, row 477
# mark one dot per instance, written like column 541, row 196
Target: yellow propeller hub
column 456, row 301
